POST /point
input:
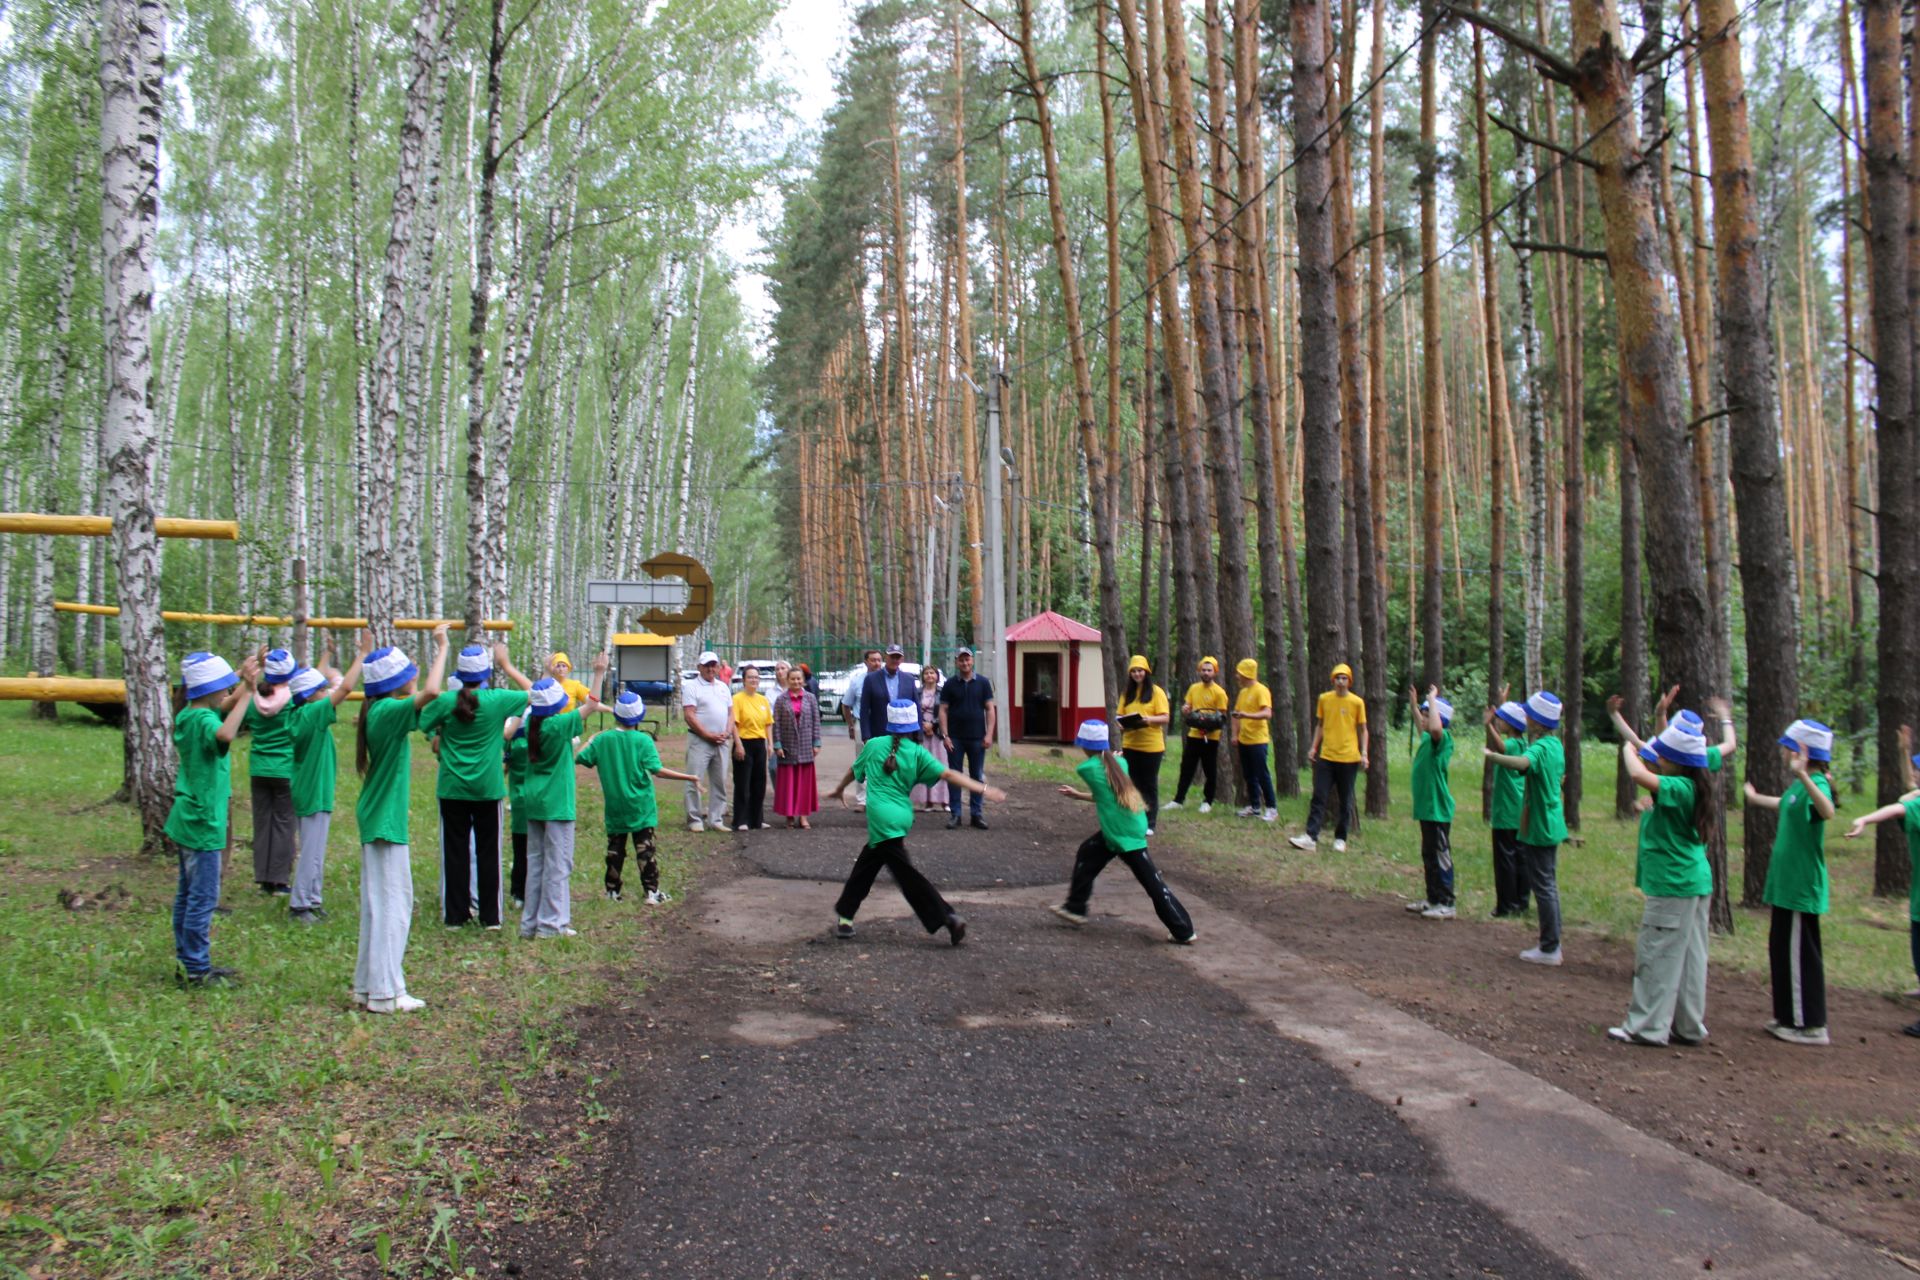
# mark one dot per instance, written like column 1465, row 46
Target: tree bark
column 1433, row 403
column 132, row 70
column 479, row 316
column 1497, row 425
column 963, row 343
column 46, row 634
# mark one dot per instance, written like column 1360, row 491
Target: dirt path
column 1038, row 1102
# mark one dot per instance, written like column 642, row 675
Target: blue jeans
column 969, row 756
column 1253, row 760
column 193, row 904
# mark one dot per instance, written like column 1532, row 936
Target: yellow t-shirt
column 1254, row 697
column 752, row 715
column 1340, row 716
column 1150, row 737
column 576, row 694
column 1206, row 697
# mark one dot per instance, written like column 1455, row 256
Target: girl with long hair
column 1123, row 833
column 1796, row 885
column 471, row 787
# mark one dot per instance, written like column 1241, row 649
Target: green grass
column 146, row 1130
column 1865, row 938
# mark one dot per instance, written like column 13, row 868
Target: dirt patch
column 1834, row 1131
column 779, row 1027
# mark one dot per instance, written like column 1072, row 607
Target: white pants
column 711, row 760
column 312, row 866
column 549, row 903
column 386, row 917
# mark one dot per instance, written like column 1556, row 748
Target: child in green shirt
column 548, row 798
column 383, row 754
column 316, row 697
column 1505, row 725
column 467, row 724
column 1907, row 810
column 1433, row 800
column 1543, row 822
column 270, row 775
column 628, row 762
column 1796, row 885
column 1122, row 834
column 891, row 766
column 197, row 823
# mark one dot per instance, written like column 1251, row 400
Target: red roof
column 1048, row 625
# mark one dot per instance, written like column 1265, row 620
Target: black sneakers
column 979, row 823
column 843, row 930
column 957, row 928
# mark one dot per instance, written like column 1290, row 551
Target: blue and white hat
column 1681, row 742
column 306, row 682
column 903, row 716
column 1544, row 710
column 386, row 670
column 1439, row 704
column 1811, row 737
column 546, row 697
column 1513, row 715
column 279, row 666
column 205, row 673
column 628, row 708
column 474, row 666
column 1093, row 736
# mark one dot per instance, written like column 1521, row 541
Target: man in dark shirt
column 884, row 686
column 967, row 718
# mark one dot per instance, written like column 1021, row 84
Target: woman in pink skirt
column 932, row 798
column 796, row 737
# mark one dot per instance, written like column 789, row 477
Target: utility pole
column 997, row 566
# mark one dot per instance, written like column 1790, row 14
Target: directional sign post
column 670, row 595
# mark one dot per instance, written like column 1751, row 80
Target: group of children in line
column 490, row 744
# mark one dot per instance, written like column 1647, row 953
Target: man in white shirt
column 706, row 704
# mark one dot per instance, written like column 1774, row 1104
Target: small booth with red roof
column 1055, row 678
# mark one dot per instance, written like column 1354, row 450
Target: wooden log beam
column 271, row 620
column 56, row 689
column 102, row 526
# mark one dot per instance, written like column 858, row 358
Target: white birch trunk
column 46, row 635
column 437, row 583
column 1536, row 579
column 132, row 52
column 688, row 391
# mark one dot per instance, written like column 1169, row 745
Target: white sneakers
column 1270, row 815
column 695, row 825
column 1534, row 955
column 397, row 1004
column 1247, row 811
column 1172, row 804
column 1301, row 842
column 1339, row 846
column 658, row 897
column 1418, row 907
column 1438, row 913
column 1206, row 806
column 1073, row 918
column 1149, row 830
column 1798, row 1035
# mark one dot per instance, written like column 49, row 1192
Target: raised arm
column 599, row 675
column 1907, row 773
column 1637, row 768
column 1728, row 743
column 502, row 660
column 437, row 674
column 1620, row 725
column 1667, row 699
column 343, row 686
column 236, row 709
column 1816, row 796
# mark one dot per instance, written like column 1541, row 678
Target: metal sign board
column 648, row 594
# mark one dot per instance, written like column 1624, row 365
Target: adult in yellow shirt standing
column 1252, row 712
column 1337, row 753
column 752, row 733
column 560, row 667
column 1143, row 714
column 1205, row 711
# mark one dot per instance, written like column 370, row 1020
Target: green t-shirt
column 469, row 767
column 386, row 792
column 1121, row 827
column 314, row 759
column 1509, row 789
column 625, row 759
column 1432, row 797
column 1546, row 819
column 548, row 795
column 1912, row 824
column 889, row 802
column 272, row 754
column 1797, row 875
column 198, row 819
column 516, row 755
column 1671, row 861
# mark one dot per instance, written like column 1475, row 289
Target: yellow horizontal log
column 55, row 689
column 102, row 526
column 270, row 620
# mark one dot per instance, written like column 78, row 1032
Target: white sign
column 669, row 594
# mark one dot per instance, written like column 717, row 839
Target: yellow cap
column 1247, row 667
column 1137, row 661
column 1342, row 669
column 1210, row 658
column 559, row 659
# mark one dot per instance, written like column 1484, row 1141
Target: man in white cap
column 882, row 688
column 706, row 704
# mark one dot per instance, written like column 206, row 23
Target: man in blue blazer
column 882, row 687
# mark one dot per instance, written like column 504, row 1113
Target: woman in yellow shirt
column 1205, row 711
column 752, row 726
column 1143, row 716
column 1251, row 712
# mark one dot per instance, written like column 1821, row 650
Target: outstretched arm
column 344, row 685
column 502, row 660
column 1728, row 743
column 1074, row 793
column 961, row 780
column 1620, row 725
column 1667, row 699
column 1757, row 799
column 1885, row 813
column 437, row 673
column 1637, row 768
column 1519, row 764
column 237, row 709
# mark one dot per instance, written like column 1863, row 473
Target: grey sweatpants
column 386, row 917
column 710, row 760
column 312, row 866
column 548, row 907
column 1670, row 971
